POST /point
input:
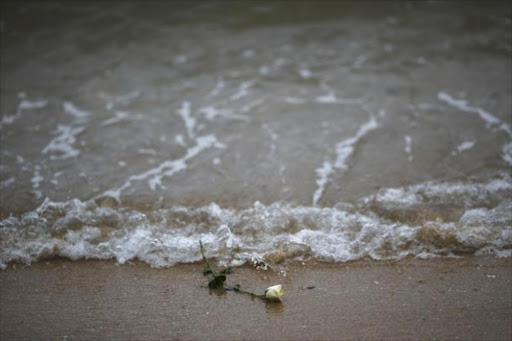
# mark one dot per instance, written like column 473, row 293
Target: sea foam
column 379, row 227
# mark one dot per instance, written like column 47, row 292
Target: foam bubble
column 263, row 234
column 397, row 196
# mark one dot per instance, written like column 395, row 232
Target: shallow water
column 334, row 131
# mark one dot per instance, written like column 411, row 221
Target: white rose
column 274, row 293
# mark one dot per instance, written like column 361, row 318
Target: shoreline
column 464, row 298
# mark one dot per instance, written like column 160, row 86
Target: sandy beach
column 370, row 139
column 465, row 299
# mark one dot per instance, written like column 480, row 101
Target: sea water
column 270, row 131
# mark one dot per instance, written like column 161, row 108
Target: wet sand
column 469, row 298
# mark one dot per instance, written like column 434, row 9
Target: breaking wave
column 425, row 220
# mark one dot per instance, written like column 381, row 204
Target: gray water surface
column 154, row 105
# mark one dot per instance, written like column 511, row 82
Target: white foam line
column 124, row 100
column 168, row 168
column 218, row 87
column 249, row 106
column 190, row 122
column 23, row 105
column 408, row 149
column 127, row 98
column 322, row 178
column 210, row 113
column 331, row 98
column 9, row 119
column 119, row 116
column 344, row 150
column 294, row 100
column 242, row 90
column 36, row 180
column 506, row 128
column 28, row 105
column 346, row 147
column 507, row 153
column 63, row 143
column 463, row 106
column 507, row 147
column 466, row 145
column 484, row 115
column 426, row 191
column 71, row 109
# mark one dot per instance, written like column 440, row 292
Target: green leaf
column 217, row 282
column 206, row 271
